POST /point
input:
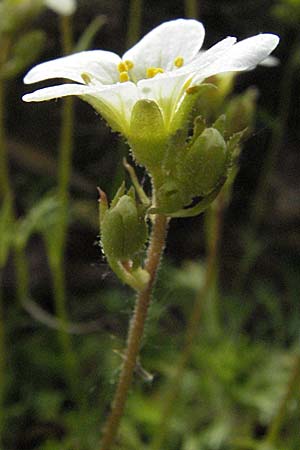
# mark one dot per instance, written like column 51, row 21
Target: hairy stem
column 192, row 329
column 135, row 332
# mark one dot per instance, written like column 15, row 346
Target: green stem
column 191, row 9
column 192, row 331
column 134, row 22
column 135, row 332
column 278, row 421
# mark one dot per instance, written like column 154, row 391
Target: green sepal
column 199, row 169
column 233, row 144
column 220, row 124
column 199, row 126
column 119, row 194
column 137, row 278
column 147, row 134
column 184, row 113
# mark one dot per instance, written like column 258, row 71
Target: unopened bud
column 123, row 229
column 204, row 164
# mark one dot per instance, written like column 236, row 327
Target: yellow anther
column 129, row 64
column 192, row 90
column 179, row 61
column 122, row 67
column 124, row 77
column 86, row 78
column 152, row 71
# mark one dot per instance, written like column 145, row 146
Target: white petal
column 166, row 91
column 270, row 61
column 63, row 7
column 161, row 46
column 114, row 102
column 207, row 57
column 98, row 63
column 244, row 55
column 52, row 92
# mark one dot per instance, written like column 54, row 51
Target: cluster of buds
column 189, row 169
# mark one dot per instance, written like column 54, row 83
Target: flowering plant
column 150, row 96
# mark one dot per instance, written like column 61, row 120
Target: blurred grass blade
column 6, row 233
column 24, row 53
column 89, row 34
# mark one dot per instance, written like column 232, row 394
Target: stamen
column 122, row 67
column 86, row 78
column 179, row 61
column 124, row 77
column 152, row 71
column 129, row 64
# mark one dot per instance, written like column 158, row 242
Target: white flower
column 63, row 7
column 164, row 67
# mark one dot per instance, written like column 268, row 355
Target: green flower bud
column 147, row 134
column 204, row 164
column 123, row 229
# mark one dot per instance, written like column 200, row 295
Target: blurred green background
column 239, row 388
